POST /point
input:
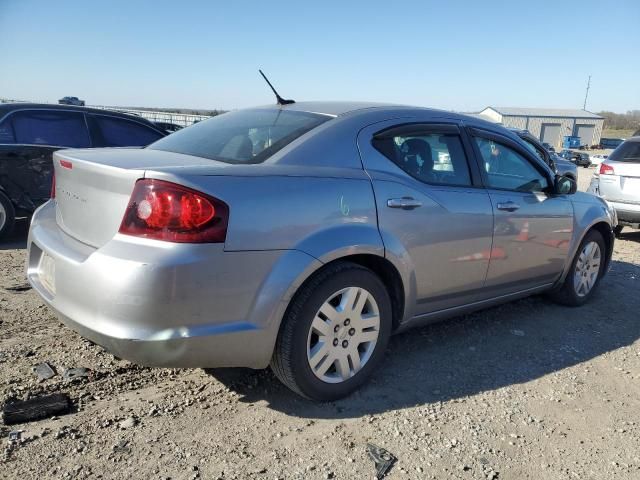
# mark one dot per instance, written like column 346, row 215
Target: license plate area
column 47, row 273
column 631, row 185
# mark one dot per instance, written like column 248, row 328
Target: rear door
column 532, row 229
column 28, row 139
column 431, row 208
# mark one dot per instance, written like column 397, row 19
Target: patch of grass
column 616, row 133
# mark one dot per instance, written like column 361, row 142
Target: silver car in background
column 618, row 182
column 302, row 236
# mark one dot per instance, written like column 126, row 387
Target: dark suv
column 30, row 133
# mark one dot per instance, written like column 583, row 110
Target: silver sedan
column 303, row 236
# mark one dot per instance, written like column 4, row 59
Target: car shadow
column 488, row 350
column 630, row 234
column 18, row 237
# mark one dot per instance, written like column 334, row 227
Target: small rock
column 75, row 373
column 128, row 423
column 44, row 371
column 517, row 333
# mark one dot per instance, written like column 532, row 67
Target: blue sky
column 446, row 54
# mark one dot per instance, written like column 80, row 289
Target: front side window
column 435, row 158
column 120, row 132
column 242, row 137
column 45, row 127
column 506, row 169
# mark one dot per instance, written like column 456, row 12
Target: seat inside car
column 418, row 158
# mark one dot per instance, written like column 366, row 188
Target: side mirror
column 564, row 185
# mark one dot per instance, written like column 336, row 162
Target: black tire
column 289, row 362
column 618, row 230
column 7, row 216
column 566, row 294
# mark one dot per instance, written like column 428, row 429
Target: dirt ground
column 528, row 390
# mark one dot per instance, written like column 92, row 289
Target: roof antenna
column 281, row 101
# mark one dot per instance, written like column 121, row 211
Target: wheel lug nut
column 345, row 344
column 336, row 328
column 347, row 322
column 352, row 331
column 335, row 342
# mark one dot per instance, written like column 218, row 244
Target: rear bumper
column 163, row 304
column 628, row 213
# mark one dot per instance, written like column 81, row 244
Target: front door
column 533, row 228
column 431, row 211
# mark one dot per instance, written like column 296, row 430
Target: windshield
column 242, row 137
column 626, row 152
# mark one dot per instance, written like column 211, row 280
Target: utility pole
column 586, row 95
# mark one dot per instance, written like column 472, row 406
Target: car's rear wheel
column 586, row 271
column 334, row 333
column 7, row 216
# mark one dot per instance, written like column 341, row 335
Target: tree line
column 622, row 121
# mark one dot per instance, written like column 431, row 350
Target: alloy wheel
column 343, row 335
column 3, row 216
column 587, row 269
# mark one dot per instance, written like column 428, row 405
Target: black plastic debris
column 75, row 373
column 37, row 408
column 44, row 371
column 382, row 459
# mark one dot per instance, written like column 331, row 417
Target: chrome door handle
column 508, row 206
column 406, row 203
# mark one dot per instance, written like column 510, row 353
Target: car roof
column 6, row 108
column 343, row 108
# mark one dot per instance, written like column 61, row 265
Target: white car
column 598, row 159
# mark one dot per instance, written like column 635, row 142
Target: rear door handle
column 508, row 206
column 406, row 203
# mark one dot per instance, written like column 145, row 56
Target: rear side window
column 119, row 132
column 242, row 137
column 626, row 152
column 42, row 127
column 436, row 158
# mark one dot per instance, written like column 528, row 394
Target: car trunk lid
column 93, row 187
column 624, row 184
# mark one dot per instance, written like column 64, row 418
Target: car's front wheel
column 586, row 271
column 334, row 333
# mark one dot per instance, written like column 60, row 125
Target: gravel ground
column 527, row 390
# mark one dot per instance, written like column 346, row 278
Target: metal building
column 550, row 125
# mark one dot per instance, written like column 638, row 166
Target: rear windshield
column 626, row 152
column 245, row 136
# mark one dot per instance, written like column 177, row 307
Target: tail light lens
column 173, row 213
column 606, row 169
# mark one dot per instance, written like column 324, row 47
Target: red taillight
column 606, row 169
column 53, row 185
column 167, row 211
